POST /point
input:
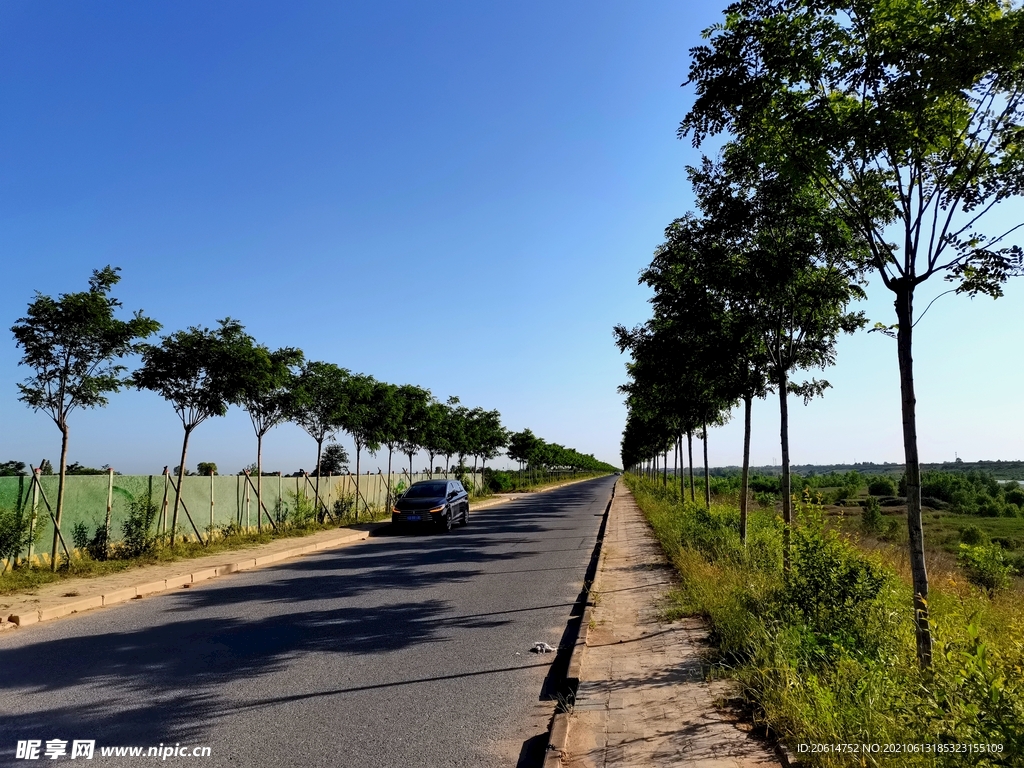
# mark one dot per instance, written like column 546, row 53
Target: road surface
column 405, row 650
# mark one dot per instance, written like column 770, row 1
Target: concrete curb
column 185, row 580
column 558, row 737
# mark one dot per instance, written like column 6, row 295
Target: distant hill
column 1001, row 470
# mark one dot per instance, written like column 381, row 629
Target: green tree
column 206, row 468
column 454, row 427
column 390, row 407
column 267, row 378
column 794, row 264
column 319, row 403
column 198, row 371
column 415, row 417
column 908, row 117
column 488, row 436
column 333, row 461
column 72, row 344
column 434, row 437
column 362, row 419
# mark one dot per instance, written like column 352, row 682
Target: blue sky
column 456, row 195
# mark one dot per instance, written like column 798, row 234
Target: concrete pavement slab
column 643, row 699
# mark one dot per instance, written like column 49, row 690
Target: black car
column 441, row 503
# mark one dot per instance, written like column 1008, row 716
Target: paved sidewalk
column 642, row 699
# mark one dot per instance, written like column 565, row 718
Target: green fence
column 211, row 501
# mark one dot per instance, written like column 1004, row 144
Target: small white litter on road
column 542, row 648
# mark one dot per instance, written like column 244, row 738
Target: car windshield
column 427, row 491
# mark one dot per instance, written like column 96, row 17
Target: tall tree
column 434, row 437
column 415, row 402
column 72, row 344
column 390, row 409
column 266, row 381
column 489, row 436
column 362, row 419
column 199, row 372
column 455, row 426
column 319, row 403
column 908, row 117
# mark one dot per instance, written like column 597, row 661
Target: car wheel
column 445, row 523
column 465, row 516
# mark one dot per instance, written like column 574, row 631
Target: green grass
column 826, row 654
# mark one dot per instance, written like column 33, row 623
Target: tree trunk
column 316, row 489
column 675, row 458
column 388, row 502
column 707, row 471
column 177, row 492
column 689, row 446
column 904, row 345
column 744, row 482
column 784, row 485
column 60, row 493
column 358, row 449
column 430, row 469
column 664, row 472
column 259, row 482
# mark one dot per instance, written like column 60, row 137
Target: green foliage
column 319, row 399
column 1014, row 496
column 12, row 468
column 833, row 590
column 205, row 468
column 882, row 486
column 136, row 539
column 199, row 371
column 871, row 519
column 14, row 532
column 972, row 535
column 333, row 461
column 94, row 546
column 844, row 670
column 75, row 468
column 71, row 344
column 303, row 513
column 985, row 566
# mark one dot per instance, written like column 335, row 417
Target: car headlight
column 396, row 510
column 435, row 510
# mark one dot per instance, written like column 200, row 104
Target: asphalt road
column 406, row 650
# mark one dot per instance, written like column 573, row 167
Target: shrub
column 882, row 486
column 94, row 546
column 499, row 481
column 1015, row 496
column 972, row 535
column 871, row 519
column 14, row 537
column 985, row 566
column 303, row 512
column 80, row 536
column 765, row 499
column 136, row 540
column 832, row 587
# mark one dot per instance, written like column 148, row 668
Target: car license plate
column 413, row 518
